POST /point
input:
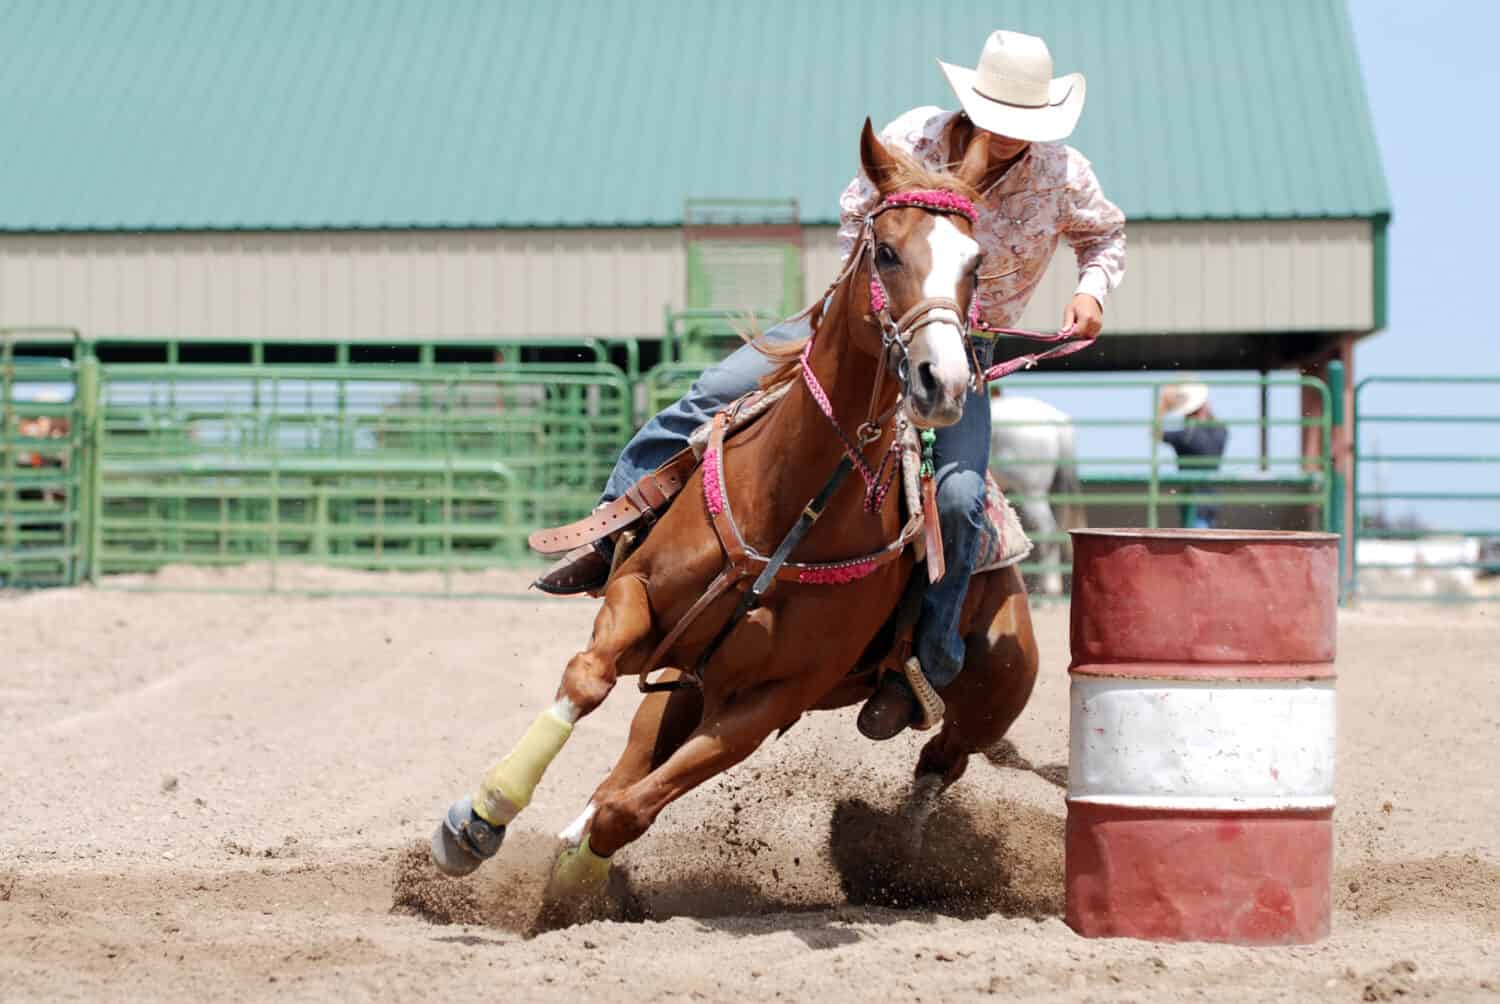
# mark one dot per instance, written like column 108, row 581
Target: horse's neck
column 802, row 450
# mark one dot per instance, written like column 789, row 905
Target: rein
column 1069, row 345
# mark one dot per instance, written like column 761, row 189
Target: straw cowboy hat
column 1178, row 400
column 1012, row 92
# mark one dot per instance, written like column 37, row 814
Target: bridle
column 896, row 335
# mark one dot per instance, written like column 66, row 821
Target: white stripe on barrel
column 1195, row 744
column 1202, row 733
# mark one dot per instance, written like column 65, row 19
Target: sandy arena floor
column 208, row 796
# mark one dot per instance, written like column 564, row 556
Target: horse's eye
column 885, row 257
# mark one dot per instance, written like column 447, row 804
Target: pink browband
column 935, row 200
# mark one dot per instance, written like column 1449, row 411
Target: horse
column 725, row 685
column 1032, row 456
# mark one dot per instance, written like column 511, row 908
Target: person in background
column 1187, row 425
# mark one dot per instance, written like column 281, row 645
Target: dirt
column 1448, row 883
column 230, row 795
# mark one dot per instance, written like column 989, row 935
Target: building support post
column 1343, row 452
column 1265, row 426
column 1312, row 414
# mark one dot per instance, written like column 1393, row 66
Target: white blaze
column 953, row 256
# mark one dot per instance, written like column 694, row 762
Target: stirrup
column 929, row 703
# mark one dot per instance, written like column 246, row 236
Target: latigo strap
column 645, row 499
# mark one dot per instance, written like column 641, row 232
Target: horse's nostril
column 927, row 380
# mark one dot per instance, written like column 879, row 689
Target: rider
column 1036, row 191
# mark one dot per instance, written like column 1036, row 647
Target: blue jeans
column 961, row 454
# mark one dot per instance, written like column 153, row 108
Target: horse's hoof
column 463, row 841
column 579, row 870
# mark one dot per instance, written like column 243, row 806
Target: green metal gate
column 441, row 469
column 42, row 461
column 1450, row 549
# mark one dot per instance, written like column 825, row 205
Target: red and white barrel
column 1200, row 774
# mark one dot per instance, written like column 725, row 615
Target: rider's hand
column 1084, row 318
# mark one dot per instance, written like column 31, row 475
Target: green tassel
column 928, row 437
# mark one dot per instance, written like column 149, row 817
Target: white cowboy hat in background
column 1179, row 400
column 1012, row 92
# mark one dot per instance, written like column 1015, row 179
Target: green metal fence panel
column 1427, row 518
column 375, row 467
column 1279, row 489
column 443, row 353
column 42, row 431
column 703, row 336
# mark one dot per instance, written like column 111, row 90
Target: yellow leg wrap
column 508, row 786
column 579, row 869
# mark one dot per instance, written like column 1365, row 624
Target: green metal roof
column 293, row 114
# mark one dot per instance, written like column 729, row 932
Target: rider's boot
column 582, row 570
column 889, row 711
column 894, row 705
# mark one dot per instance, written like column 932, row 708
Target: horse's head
column 925, row 265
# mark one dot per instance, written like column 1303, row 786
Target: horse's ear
column 878, row 164
column 976, row 159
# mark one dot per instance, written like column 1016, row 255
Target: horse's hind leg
column 474, row 827
column 1000, row 666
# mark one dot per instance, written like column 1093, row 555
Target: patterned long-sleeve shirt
column 1050, row 194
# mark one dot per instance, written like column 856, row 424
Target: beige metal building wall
column 372, row 285
column 1313, row 275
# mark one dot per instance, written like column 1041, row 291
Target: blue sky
column 1433, row 80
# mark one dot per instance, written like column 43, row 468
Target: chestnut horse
column 799, row 648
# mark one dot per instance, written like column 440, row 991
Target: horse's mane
column 907, row 174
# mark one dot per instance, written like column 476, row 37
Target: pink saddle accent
column 1002, row 542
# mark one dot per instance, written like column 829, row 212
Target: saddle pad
column 1002, row 541
column 742, row 411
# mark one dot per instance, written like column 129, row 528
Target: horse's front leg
column 474, row 827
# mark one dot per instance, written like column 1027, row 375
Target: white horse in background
column 1032, row 455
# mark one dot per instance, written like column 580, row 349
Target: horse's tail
column 1071, row 514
